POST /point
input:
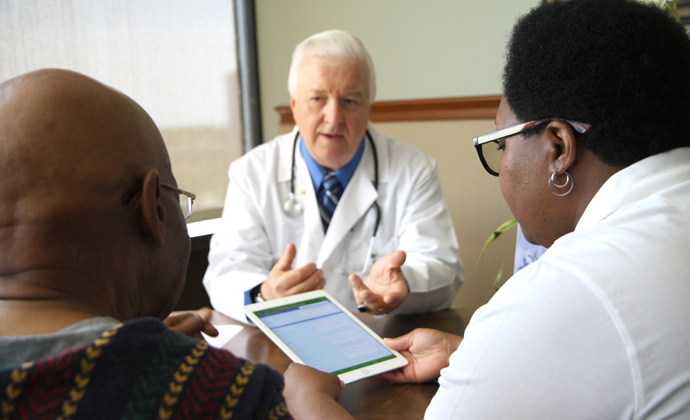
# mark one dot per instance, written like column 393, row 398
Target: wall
column 421, row 49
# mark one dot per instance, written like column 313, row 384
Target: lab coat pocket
column 390, row 247
column 288, row 229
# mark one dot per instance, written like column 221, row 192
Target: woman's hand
column 427, row 352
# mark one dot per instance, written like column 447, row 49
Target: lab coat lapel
column 312, row 236
column 356, row 200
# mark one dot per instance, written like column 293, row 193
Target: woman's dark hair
column 620, row 65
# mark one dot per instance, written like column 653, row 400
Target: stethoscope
column 292, row 207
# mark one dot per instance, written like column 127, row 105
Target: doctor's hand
column 427, row 351
column 384, row 289
column 283, row 280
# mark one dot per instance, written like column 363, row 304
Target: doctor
column 334, row 204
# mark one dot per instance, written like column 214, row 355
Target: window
column 176, row 58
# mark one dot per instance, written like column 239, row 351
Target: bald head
column 60, row 127
column 70, row 148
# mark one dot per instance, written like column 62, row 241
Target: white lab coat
column 414, row 218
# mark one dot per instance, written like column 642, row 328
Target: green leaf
column 505, row 226
column 671, row 7
column 497, row 279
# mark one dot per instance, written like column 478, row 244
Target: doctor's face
column 331, row 108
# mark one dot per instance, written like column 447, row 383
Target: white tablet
column 315, row 330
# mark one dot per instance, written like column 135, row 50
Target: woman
column 593, row 158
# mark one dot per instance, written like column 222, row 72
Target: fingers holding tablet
column 311, row 393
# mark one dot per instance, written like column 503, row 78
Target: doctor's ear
column 153, row 213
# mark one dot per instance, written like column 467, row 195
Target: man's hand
column 427, row 352
column 192, row 323
column 285, row 281
column 312, row 394
column 384, row 289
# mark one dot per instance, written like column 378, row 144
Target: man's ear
column 152, row 209
column 563, row 145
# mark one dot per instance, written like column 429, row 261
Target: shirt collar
column 642, row 179
column 317, row 172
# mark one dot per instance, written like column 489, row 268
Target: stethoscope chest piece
column 292, row 207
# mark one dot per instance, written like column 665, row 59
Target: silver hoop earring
column 568, row 180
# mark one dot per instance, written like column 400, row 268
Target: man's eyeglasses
column 185, row 197
column 490, row 148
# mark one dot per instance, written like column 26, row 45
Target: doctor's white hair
column 334, row 44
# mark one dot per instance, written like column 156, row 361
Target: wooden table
column 371, row 398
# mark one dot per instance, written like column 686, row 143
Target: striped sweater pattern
column 142, row 370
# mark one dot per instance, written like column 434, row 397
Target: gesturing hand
column 384, row 289
column 283, row 280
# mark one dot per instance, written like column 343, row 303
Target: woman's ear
column 563, row 145
column 152, row 209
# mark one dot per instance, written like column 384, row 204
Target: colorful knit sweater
column 142, row 370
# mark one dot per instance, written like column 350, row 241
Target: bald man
column 93, row 254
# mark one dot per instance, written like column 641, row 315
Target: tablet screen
column 323, row 336
column 314, row 329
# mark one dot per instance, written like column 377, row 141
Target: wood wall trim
column 461, row 108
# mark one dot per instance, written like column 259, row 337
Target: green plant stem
column 505, row 226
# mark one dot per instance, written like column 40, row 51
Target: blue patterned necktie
column 331, row 192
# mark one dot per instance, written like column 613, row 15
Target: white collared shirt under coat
column 414, row 218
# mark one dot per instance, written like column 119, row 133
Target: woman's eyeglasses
column 490, row 146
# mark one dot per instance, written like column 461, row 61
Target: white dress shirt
column 599, row 327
